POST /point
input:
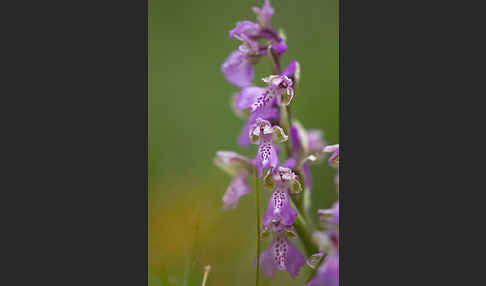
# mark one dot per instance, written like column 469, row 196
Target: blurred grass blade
column 206, row 274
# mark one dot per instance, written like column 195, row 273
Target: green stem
column 302, row 229
column 257, row 201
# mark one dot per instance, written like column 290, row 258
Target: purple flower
column 279, row 87
column 240, row 167
column 271, row 112
column 238, row 69
column 263, row 134
column 279, row 211
column 264, row 14
column 281, row 255
column 334, row 149
column 328, row 272
column 237, row 188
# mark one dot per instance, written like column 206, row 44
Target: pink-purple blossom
column 240, row 167
column 281, row 255
column 264, row 134
column 238, row 69
column 279, row 210
column 279, row 87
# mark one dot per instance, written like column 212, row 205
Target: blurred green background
column 190, row 119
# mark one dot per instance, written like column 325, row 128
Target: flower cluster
column 266, row 112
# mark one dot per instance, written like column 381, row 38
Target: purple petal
column 279, row 48
column 306, row 172
column 243, row 139
column 248, row 96
column 290, row 163
column 291, row 69
column 267, row 266
column 245, row 30
column 237, row 69
column 237, row 188
column 295, row 260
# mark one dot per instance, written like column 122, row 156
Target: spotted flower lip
column 281, row 255
column 279, row 211
column 279, row 87
column 247, row 96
